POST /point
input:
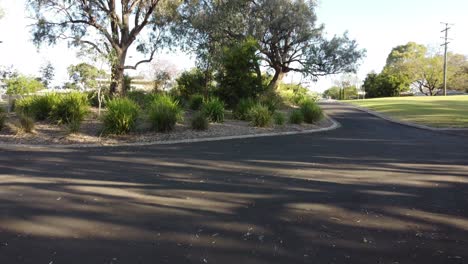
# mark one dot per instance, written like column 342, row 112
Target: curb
column 335, row 125
column 404, row 123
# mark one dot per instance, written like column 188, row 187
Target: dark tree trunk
column 117, row 86
column 277, row 78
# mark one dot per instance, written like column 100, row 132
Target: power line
column 446, row 39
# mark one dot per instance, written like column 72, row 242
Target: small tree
column 23, row 85
column 382, row 85
column 192, row 82
column 47, row 73
column 239, row 75
column 85, row 75
column 106, row 26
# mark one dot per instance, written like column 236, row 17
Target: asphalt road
column 369, row 192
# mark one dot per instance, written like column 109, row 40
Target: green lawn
column 450, row 111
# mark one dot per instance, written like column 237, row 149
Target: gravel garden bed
column 90, row 132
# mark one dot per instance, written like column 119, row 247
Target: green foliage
column 85, row 75
column 196, row 102
column 42, row 106
column 121, row 116
column 3, row 117
column 71, row 110
column 24, row 106
column 193, row 82
column 287, row 32
column 279, row 118
column 213, row 109
column 164, row 112
column 242, row 109
column 296, row 117
column 23, row 85
column 293, row 94
column 239, row 75
column 260, row 116
column 127, row 84
column 337, row 93
column 382, row 85
column 311, row 111
column 200, row 121
column 26, row 123
column 140, row 97
column 94, row 100
column 272, row 101
column 47, row 74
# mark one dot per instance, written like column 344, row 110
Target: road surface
column 369, row 192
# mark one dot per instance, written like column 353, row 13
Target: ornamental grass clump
column 164, row 113
column 121, row 116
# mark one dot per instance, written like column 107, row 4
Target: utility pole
column 445, row 54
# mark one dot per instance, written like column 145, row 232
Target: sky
column 377, row 25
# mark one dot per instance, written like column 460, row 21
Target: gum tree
column 289, row 37
column 107, row 26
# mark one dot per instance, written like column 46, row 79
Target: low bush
column 43, row 106
column 213, row 109
column 121, row 116
column 272, row 101
column 164, row 113
column 200, row 122
column 38, row 107
column 279, row 119
column 3, row 118
column 242, row 109
column 260, row 116
column 24, row 106
column 196, row 102
column 311, row 111
column 296, row 117
column 71, row 110
column 141, row 98
column 26, row 123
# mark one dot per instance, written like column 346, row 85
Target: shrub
column 311, row 111
column 23, row 85
column 199, row 121
column 71, row 110
column 279, row 118
column 43, row 106
column 238, row 76
column 140, row 98
column 196, row 102
column 260, row 116
column 164, row 113
column 121, row 116
column 26, row 123
column 24, row 106
column 193, row 82
column 296, row 117
column 272, row 101
column 37, row 107
column 3, row 118
column 213, row 109
column 242, row 109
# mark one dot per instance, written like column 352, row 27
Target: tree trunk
column 117, row 76
column 277, row 78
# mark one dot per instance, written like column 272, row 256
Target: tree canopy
column 85, row 75
column 289, row 38
column 109, row 27
column 22, row 85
